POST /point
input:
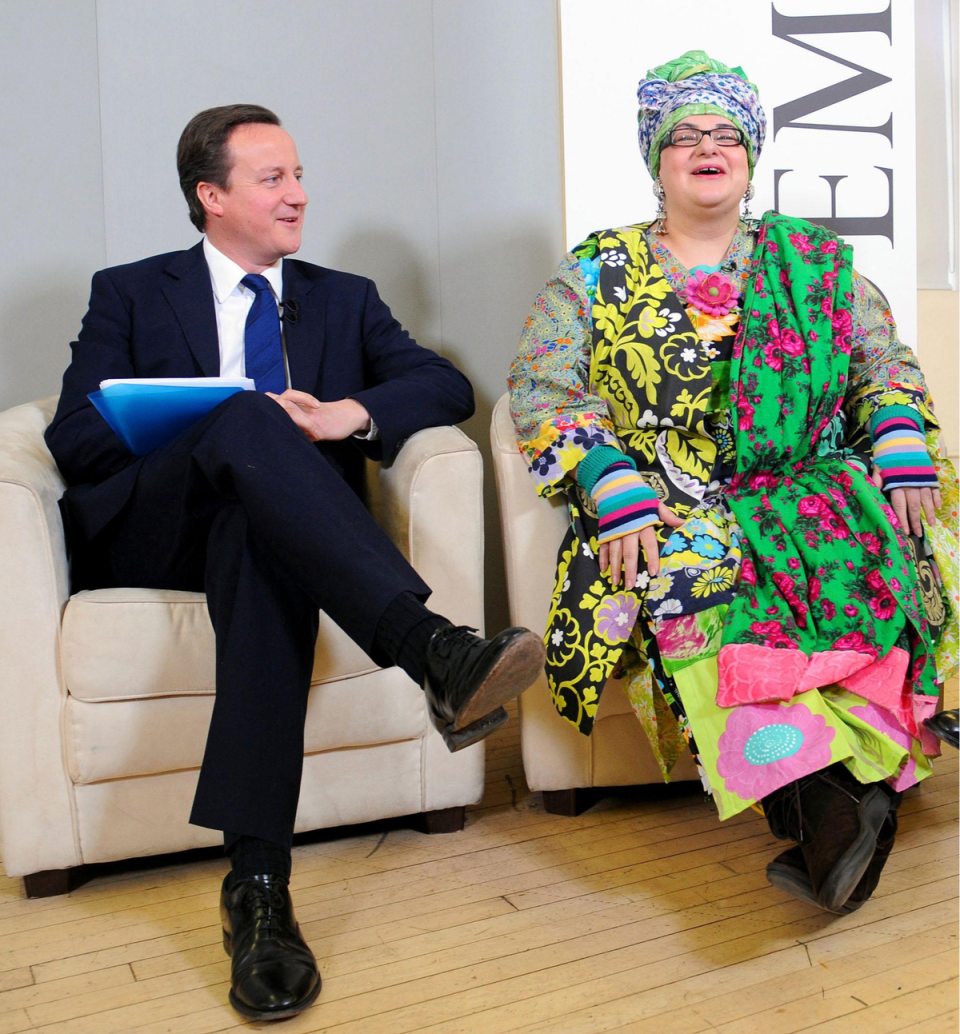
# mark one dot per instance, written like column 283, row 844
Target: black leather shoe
column 943, row 725
column 274, row 974
column 469, row 679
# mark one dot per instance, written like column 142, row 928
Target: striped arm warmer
column 900, row 449
column 624, row 501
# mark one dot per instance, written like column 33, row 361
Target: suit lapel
column 304, row 337
column 190, row 295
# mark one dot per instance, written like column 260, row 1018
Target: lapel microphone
column 291, row 311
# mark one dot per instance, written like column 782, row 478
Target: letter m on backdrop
column 786, row 27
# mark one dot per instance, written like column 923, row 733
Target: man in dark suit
column 257, row 505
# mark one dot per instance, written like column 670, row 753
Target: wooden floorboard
column 644, row 914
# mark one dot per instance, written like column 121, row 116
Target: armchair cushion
column 129, row 644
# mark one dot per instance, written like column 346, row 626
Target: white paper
column 184, row 382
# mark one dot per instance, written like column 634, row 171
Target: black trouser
column 244, row 507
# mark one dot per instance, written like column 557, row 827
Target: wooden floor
column 641, row 915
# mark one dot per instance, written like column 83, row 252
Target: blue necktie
column 261, row 340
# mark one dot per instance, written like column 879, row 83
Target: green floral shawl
column 827, row 594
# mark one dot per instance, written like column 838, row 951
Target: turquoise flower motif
column 591, row 275
column 705, row 546
column 765, row 746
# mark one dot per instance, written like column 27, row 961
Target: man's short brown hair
column 202, row 155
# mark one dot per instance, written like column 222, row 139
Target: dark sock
column 251, row 856
column 403, row 632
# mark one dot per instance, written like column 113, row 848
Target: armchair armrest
column 430, row 503
column 36, row 804
column 555, row 754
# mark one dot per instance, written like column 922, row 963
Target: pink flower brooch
column 711, row 293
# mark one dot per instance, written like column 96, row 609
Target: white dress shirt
column 232, row 302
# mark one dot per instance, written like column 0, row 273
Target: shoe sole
column 457, row 739
column 845, row 875
column 515, row 669
column 798, row 885
column 944, row 735
column 279, row 1014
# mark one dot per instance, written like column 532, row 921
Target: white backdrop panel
column 865, row 73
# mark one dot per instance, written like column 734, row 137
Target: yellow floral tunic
column 610, row 356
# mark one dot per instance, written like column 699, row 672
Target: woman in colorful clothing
column 757, row 496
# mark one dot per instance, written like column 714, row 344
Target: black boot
column 469, row 679
column 836, row 821
column 273, row 974
column 788, row 871
column 944, row 725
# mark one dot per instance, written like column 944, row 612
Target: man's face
column 258, row 218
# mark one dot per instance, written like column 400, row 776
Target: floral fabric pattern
column 653, row 376
column 558, row 420
column 683, row 442
column 832, row 576
column 745, row 752
column 765, row 746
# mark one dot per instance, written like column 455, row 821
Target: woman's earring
column 661, row 225
column 747, row 197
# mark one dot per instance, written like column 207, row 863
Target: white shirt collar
column 226, row 275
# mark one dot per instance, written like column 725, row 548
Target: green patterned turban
column 695, row 84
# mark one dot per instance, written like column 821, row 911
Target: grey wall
column 429, row 132
column 51, row 208
column 500, row 202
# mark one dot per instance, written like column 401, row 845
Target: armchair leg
column 49, row 883
column 569, row 802
column 444, row 820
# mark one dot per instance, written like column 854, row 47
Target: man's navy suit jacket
column 156, row 318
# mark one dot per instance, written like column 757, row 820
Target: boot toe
column 945, row 725
column 837, row 864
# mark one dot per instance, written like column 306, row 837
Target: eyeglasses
column 724, row 136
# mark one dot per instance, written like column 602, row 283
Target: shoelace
column 266, row 902
column 447, row 637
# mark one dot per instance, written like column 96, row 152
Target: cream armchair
column 105, row 695
column 557, row 759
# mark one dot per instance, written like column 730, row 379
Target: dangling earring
column 661, row 225
column 746, row 202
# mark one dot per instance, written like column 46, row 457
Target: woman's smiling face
column 706, row 177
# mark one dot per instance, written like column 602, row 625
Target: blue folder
column 146, row 416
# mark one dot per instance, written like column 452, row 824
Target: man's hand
column 323, row 421
column 625, row 552
column 908, row 502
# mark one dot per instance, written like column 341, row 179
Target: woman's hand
column 624, row 553
column 908, row 503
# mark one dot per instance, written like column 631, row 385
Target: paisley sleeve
column 557, row 419
column 883, row 370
